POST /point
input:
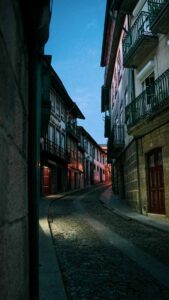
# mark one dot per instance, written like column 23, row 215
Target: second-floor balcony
column 73, row 161
column 81, row 145
column 159, row 15
column 54, row 150
column 148, row 111
column 115, row 142
column 125, row 6
column 71, row 129
column 138, row 41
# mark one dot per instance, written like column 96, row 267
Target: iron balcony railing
column 140, row 28
column 118, row 135
column 115, row 142
column 154, row 8
column 149, row 101
column 54, row 149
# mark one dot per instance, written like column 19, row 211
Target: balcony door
column 156, row 201
column 148, row 85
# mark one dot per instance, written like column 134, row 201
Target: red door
column 46, row 181
column 156, row 182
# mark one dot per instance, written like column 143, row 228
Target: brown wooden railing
column 73, row 158
column 54, row 149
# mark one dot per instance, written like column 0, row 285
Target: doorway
column 101, row 177
column 59, row 179
column 46, row 181
column 156, row 195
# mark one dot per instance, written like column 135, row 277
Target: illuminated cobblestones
column 92, row 268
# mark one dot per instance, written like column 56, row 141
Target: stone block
column 13, row 186
column 14, row 261
column 15, row 43
column 13, row 117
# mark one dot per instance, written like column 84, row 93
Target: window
column 98, row 156
column 115, row 82
column 116, row 120
column 148, row 81
column 52, row 99
column 62, row 143
column 147, row 85
column 119, row 66
column 91, row 150
column 86, row 145
column 57, row 107
column 121, row 113
column 63, row 112
column 68, row 144
column 51, row 133
column 57, row 137
column 126, row 100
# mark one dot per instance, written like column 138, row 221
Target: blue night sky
column 75, row 43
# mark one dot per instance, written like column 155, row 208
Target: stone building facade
column 61, row 158
column 108, row 167
column 141, row 99
column 95, row 159
column 70, row 157
column 20, row 49
column 147, row 113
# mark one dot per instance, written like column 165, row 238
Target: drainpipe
column 36, row 18
column 34, row 171
column 139, row 204
column 38, row 88
column 137, row 147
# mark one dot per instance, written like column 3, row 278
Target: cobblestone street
column 103, row 256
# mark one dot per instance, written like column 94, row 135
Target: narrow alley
column 84, row 150
column 104, row 256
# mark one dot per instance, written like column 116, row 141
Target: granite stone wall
column 156, row 139
column 130, row 175
column 13, row 154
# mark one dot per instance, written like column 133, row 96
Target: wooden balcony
column 138, row 41
column 115, row 142
column 125, row 6
column 73, row 163
column 107, row 126
column 81, row 146
column 56, row 152
column 159, row 15
column 150, row 109
column 71, row 130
